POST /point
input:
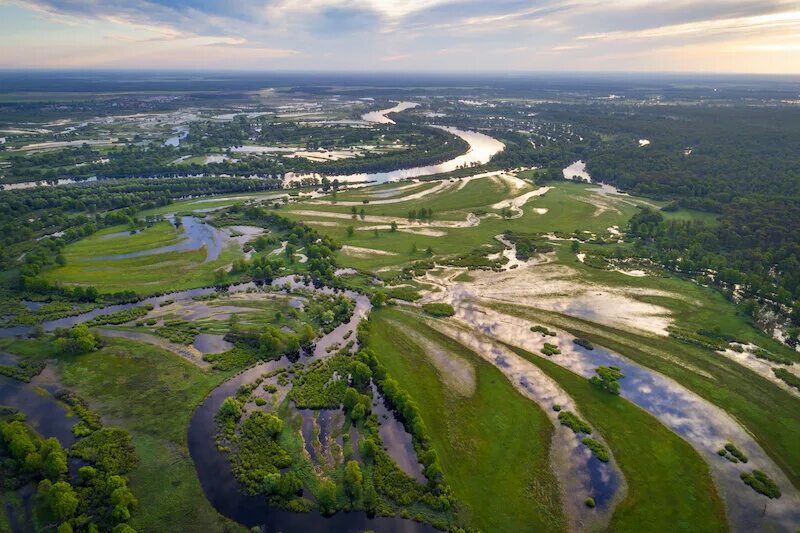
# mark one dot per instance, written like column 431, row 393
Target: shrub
column 761, row 483
column 543, row 330
column 607, row 378
column 597, row 447
column 584, row 343
column 571, row 420
column 550, row 349
column 439, row 309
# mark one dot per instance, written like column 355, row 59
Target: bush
column 110, row 449
column 543, row 330
column 761, row 483
column 607, row 378
column 571, row 420
column 550, row 349
column 439, row 309
column 584, row 343
column 598, row 449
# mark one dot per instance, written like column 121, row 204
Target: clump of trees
column 607, row 378
column 76, row 340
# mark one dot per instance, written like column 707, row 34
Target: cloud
column 432, row 34
column 770, row 22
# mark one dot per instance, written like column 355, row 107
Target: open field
column 669, row 484
column 492, row 442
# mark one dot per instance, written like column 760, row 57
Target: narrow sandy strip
column 363, row 253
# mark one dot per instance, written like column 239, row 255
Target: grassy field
column 769, row 413
column 145, row 274
column 493, row 443
column 569, row 207
column 670, row 487
column 152, row 394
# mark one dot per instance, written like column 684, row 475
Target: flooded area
column 398, row 442
column 577, row 169
column 702, row 424
column 208, row 343
column 579, row 473
column 42, row 411
column 197, row 234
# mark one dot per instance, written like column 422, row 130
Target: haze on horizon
column 728, row 36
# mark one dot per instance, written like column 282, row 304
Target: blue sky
column 385, row 35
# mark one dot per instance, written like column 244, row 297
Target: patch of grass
column 152, row 394
column 770, row 414
column 670, row 487
column 478, row 438
column 439, row 309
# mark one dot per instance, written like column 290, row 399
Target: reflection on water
column 42, row 411
column 398, row 442
column 209, row 343
column 703, row 425
column 197, row 234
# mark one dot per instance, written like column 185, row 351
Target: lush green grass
column 152, row 394
column 146, row 274
column 769, row 413
column 669, row 485
column 494, row 445
column 568, row 205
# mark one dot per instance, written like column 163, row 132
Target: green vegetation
column 550, row 349
column 584, row 343
column 473, row 435
column 761, row 483
column 789, row 378
column 675, row 492
column 607, row 378
column 543, row 330
column 732, row 453
column 573, row 422
column 439, row 309
column 598, row 449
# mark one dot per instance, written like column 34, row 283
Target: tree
column 77, row 340
column 351, row 397
column 327, row 498
column 394, row 226
column 361, row 375
column 575, row 246
column 607, row 378
column 362, row 214
column 378, row 298
column 62, row 500
column 350, row 230
column 353, row 480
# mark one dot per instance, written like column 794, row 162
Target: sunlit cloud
column 390, row 34
column 770, row 22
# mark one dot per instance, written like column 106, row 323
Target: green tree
column 353, row 480
column 62, row 500
column 361, row 375
column 326, row 498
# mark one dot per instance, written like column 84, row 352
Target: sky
column 709, row 36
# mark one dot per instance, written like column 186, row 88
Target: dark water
column 398, row 442
column 42, row 411
column 223, row 491
column 208, row 343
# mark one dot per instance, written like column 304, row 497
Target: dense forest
column 740, row 162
